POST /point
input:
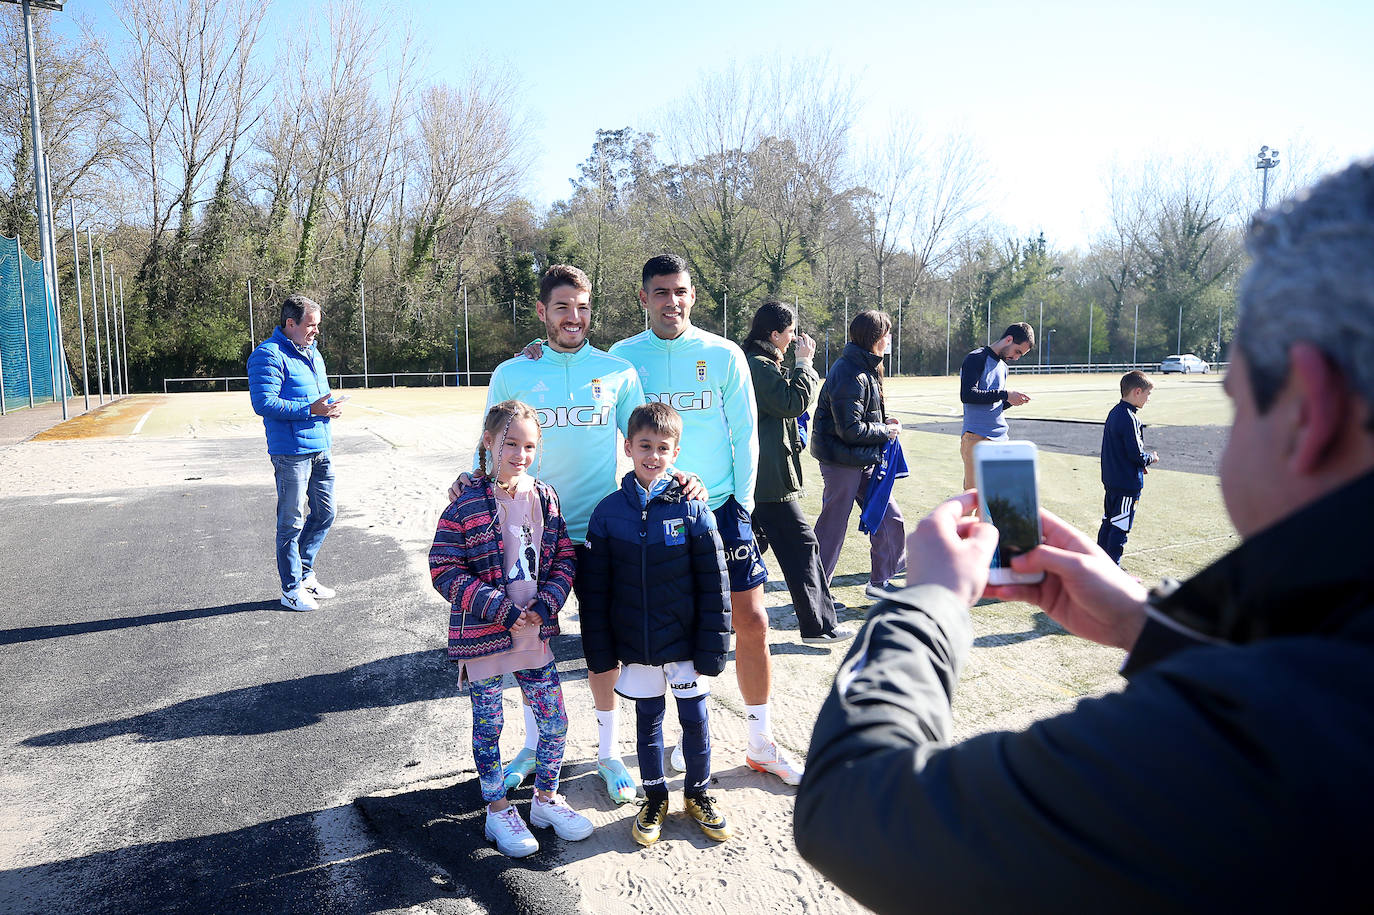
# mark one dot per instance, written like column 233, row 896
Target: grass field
column 1023, row 666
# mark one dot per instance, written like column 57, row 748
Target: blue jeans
column 302, row 479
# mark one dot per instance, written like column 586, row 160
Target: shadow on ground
column 1041, row 625
column 61, row 630
column 444, row 825
column 281, row 865
column 290, row 704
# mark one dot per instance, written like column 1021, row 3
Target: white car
column 1187, row 364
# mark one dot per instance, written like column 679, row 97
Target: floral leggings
column 545, row 694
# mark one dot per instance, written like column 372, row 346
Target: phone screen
column 1010, row 503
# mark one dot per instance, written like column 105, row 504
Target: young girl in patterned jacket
column 502, row 559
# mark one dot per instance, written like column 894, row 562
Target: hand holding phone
column 341, row 398
column 1008, row 498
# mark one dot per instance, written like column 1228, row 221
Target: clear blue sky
column 1053, row 92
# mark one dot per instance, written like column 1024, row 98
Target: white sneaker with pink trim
column 512, row 837
column 567, row 823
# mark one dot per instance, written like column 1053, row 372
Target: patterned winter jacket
column 467, row 565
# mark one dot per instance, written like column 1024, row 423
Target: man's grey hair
column 1312, row 280
column 295, row 306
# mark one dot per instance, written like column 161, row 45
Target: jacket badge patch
column 596, row 388
column 674, row 532
column 701, row 370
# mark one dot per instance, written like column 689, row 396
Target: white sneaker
column 774, row 762
column 312, row 586
column 512, row 837
column 567, row 823
column 298, row 599
column 677, row 760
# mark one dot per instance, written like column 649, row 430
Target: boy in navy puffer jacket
column 655, row 597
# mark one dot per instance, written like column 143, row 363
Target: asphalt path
column 1191, row 449
column 174, row 741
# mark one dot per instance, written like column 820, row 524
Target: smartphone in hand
column 341, row 398
column 1008, row 498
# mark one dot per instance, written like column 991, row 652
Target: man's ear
column 1325, row 409
column 540, row 310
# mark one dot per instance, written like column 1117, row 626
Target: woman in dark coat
column 848, row 437
column 783, row 393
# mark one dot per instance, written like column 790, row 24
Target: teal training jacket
column 582, row 399
column 704, row 377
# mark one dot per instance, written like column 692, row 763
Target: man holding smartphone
column 290, row 391
column 983, row 391
column 1232, row 771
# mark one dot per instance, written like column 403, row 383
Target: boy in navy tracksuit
column 655, row 597
column 1124, row 460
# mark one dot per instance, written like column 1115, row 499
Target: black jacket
column 1231, row 774
column 1124, row 457
column 850, row 422
column 652, row 585
column 783, row 393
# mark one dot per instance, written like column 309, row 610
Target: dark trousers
column 845, row 487
column 1118, row 514
column 696, row 744
column 787, row 532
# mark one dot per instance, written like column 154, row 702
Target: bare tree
column 78, row 104
column 800, row 165
column 949, row 195
column 710, row 181
column 889, row 195
column 332, row 84
column 467, row 162
column 188, row 75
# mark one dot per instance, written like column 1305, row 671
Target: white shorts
column 648, row 681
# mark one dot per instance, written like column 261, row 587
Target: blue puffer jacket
column 283, row 382
column 652, row 584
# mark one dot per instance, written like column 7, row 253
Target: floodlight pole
column 1041, row 325
column 124, row 333
column 80, row 309
column 95, row 319
column 40, row 175
column 252, row 334
column 59, row 368
column 109, row 338
column 467, row 348
column 362, row 301
column 949, row 309
column 1267, row 159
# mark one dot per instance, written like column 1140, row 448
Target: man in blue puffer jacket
column 290, row 391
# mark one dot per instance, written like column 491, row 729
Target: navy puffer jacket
column 652, row 584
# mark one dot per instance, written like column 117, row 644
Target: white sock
column 760, row 728
column 531, row 727
column 608, row 733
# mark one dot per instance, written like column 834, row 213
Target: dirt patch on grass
column 117, row 418
column 1191, row 449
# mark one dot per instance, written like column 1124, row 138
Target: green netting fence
column 28, row 332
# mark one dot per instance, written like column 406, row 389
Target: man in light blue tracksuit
column 290, row 391
column 706, row 379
